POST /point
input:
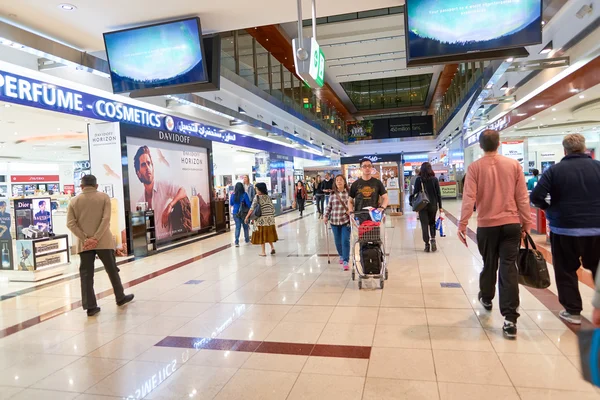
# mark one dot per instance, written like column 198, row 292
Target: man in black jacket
column 574, row 216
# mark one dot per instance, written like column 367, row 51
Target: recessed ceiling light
column 554, row 109
column 511, row 59
column 67, row 7
column 574, row 90
column 533, row 119
column 16, row 133
column 553, row 119
column 7, row 105
column 581, row 96
column 539, row 106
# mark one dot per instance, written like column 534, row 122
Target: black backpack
column 371, row 258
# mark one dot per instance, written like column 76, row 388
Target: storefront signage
column 373, row 158
column 275, row 156
column 173, row 137
column 448, row 189
column 18, row 89
column 500, row 124
column 29, row 92
column 34, row 178
column 514, row 150
column 548, row 154
column 205, row 131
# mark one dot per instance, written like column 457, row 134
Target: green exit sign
column 312, row 68
column 317, row 63
column 308, row 105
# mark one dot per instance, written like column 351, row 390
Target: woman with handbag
column 338, row 214
column 427, row 187
column 240, row 202
column 300, row 197
column 263, row 210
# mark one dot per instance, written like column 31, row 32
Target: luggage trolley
column 368, row 240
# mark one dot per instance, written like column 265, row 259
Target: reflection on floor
column 213, row 321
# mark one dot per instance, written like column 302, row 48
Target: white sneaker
column 570, row 318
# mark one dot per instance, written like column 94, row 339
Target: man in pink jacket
column 497, row 184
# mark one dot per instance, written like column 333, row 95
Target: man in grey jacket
column 88, row 217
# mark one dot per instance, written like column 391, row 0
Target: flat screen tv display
column 156, row 56
column 438, row 29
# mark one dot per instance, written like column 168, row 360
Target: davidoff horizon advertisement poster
column 105, row 158
column 170, row 178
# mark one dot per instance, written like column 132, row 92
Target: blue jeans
column 238, row 227
column 341, row 236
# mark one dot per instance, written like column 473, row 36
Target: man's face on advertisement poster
column 2, row 208
column 146, row 171
column 42, row 206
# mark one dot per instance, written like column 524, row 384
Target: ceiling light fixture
column 554, row 109
column 581, row 96
column 539, row 106
column 533, row 119
column 511, row 59
column 574, row 90
column 67, row 7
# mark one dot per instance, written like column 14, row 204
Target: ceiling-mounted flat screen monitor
column 156, row 56
column 463, row 30
column 212, row 53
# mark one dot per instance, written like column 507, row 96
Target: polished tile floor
column 213, row 321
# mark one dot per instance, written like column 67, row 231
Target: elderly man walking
column 88, row 217
column 574, row 214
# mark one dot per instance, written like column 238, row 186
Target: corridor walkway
column 213, row 321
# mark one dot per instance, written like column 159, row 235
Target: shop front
column 158, row 169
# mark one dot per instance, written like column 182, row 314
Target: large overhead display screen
column 437, row 29
column 156, row 56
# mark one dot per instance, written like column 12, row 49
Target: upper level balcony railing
column 466, row 79
column 243, row 56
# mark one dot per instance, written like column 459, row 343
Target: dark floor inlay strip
column 297, row 349
column 327, row 350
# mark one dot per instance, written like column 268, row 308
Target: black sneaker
column 125, row 300
column 510, row 330
column 427, row 248
column 486, row 304
column 93, row 311
column 433, row 246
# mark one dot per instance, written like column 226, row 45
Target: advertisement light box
column 453, row 28
column 155, row 56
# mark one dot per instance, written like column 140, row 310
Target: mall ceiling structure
column 364, row 43
column 80, row 23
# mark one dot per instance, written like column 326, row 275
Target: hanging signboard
column 311, row 70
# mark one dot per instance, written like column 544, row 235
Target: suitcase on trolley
column 371, row 258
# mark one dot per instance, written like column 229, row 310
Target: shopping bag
column 589, row 351
column 440, row 224
column 533, row 270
